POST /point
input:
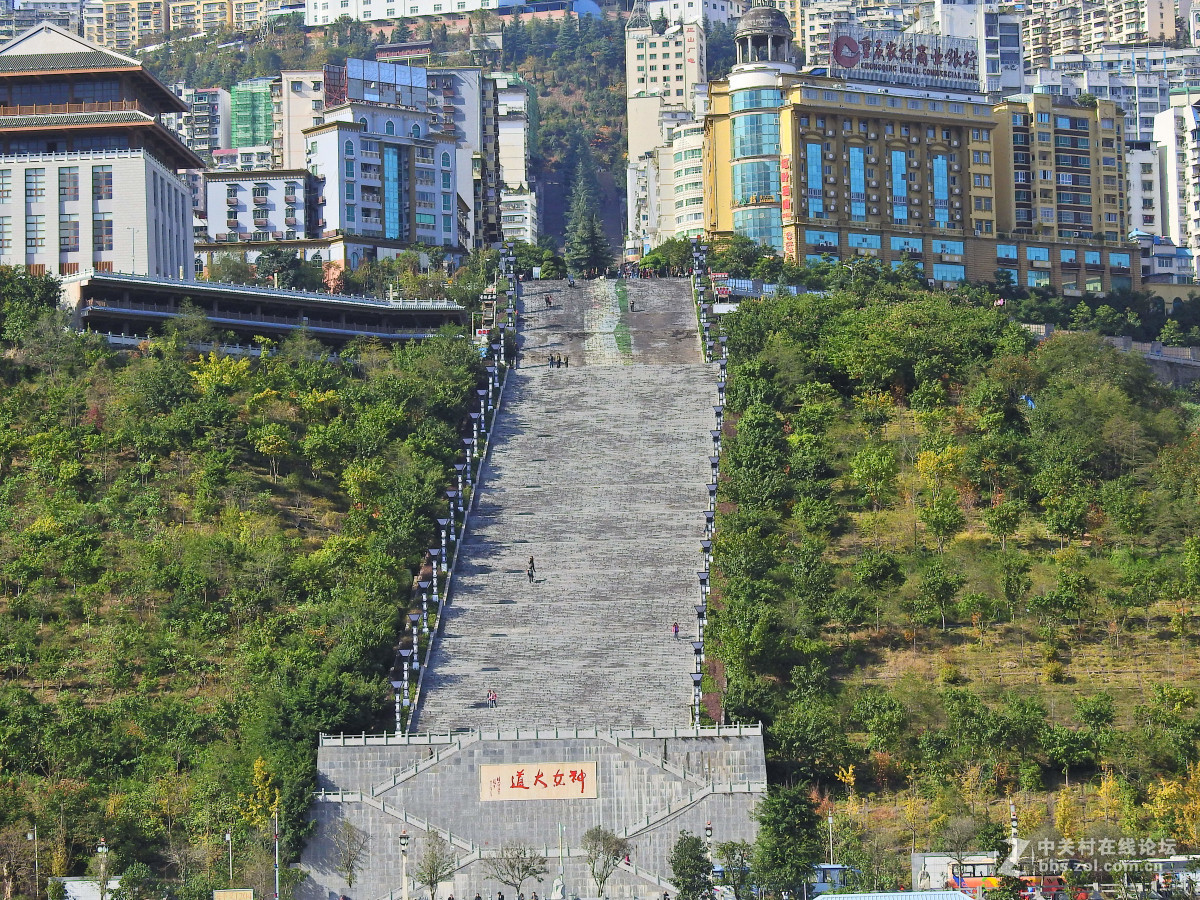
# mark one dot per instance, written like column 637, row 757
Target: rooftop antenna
column 638, row 16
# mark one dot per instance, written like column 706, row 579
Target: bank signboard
column 857, row 53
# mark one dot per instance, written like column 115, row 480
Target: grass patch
column 621, row 332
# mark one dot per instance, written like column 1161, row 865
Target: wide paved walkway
column 598, row 471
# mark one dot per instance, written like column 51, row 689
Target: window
column 35, row 184
column 363, row 122
column 68, row 183
column 1067, row 256
column 349, row 168
column 447, row 224
column 102, row 182
column 981, row 157
column 350, row 190
column 389, row 127
column 1006, row 251
column 415, row 131
column 948, row 246
column 349, row 148
column 1041, row 254
column 350, row 213
column 35, row 232
column 5, row 185
column 446, row 179
column 983, row 181
column 445, row 160
column 102, row 231
column 68, row 233
column 5, row 232
column 984, row 204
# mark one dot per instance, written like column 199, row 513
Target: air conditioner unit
column 873, row 135
column 955, row 168
column 958, row 217
column 831, row 193
column 954, row 143
column 957, row 191
column 916, row 201
column 829, row 134
column 914, row 139
column 874, row 183
column 958, row 204
column 874, row 210
column 830, row 156
column 872, row 159
column 874, row 197
column 831, row 179
column 845, row 156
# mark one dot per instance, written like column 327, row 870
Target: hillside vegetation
column 204, row 561
column 956, row 567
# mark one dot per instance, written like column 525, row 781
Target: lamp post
column 701, row 617
column 721, row 392
column 708, row 523
column 706, row 549
column 696, row 679
column 715, row 462
column 413, row 620
column 458, row 475
column 399, row 684
column 404, row 862
column 698, row 652
column 102, row 852
column 469, row 450
column 37, row 863
column 719, row 412
column 482, row 393
column 475, row 417
column 708, row 349
column 435, row 553
column 715, row 434
column 712, row 495
column 229, row 841
column 703, row 578
column 456, row 503
column 724, row 348
column 442, row 523
column 492, row 380
column 708, row 845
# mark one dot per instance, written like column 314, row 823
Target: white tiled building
column 1143, row 176
column 1176, row 130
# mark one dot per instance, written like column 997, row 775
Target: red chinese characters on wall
column 538, row 781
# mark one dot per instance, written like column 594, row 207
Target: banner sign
column 858, row 53
column 538, row 781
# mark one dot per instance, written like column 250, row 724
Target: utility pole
column 229, row 841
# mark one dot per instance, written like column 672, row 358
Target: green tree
column 939, row 587
column 437, row 863
column 789, row 840
column 1003, row 519
column 278, row 267
column 514, row 864
column 691, row 869
column 230, row 269
column 735, row 858
column 944, row 517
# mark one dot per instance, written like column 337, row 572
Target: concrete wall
column 716, row 775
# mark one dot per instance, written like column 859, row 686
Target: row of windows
column 1042, row 254
column 956, row 109
column 875, row 242
column 68, row 183
column 68, row 232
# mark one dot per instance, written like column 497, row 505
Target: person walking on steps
column 675, row 630
column 530, row 570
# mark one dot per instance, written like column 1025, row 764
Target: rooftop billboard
column 858, row 53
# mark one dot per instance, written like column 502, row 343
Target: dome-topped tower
column 764, row 35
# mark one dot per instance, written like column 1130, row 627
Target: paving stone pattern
column 598, row 471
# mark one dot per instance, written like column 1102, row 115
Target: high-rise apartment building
column 518, row 193
column 1177, row 132
column 1143, row 184
column 661, row 72
column 206, row 125
column 1059, row 27
column 298, row 103
column 996, row 32
column 252, row 111
column 128, row 24
column 693, row 11
column 1067, row 168
column 838, row 168
column 1141, row 95
column 87, row 172
column 465, row 108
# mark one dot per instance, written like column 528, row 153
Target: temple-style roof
column 47, row 49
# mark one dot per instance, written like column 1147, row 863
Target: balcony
column 260, row 201
column 289, row 220
column 231, row 201
column 289, row 198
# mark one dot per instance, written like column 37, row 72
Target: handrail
column 536, row 733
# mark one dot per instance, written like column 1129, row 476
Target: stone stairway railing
column 652, row 758
column 427, row 763
column 397, row 813
column 677, row 806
